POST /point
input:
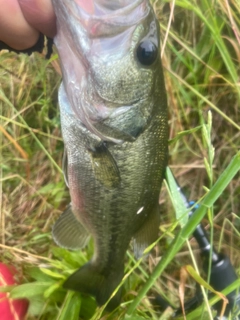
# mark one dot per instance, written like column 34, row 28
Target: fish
column 114, row 122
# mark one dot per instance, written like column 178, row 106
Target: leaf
column 183, row 280
column 37, row 274
column 73, row 259
column 203, row 283
column 29, row 290
column 135, row 317
column 183, row 133
column 71, row 307
column 196, row 314
column 7, row 288
column 52, row 274
column 52, row 288
column 179, row 203
column 37, row 305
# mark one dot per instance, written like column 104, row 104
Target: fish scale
column 113, row 111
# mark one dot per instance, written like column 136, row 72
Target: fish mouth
column 108, row 26
column 106, row 17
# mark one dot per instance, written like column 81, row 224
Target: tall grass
column 201, row 62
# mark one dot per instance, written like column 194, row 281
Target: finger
column 40, row 15
column 14, row 29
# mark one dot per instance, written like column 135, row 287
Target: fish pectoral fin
column 147, row 234
column 124, row 126
column 88, row 279
column 113, row 133
column 105, row 167
column 68, row 232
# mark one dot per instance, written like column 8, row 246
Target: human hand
column 21, row 22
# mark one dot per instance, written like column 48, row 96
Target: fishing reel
column 222, row 274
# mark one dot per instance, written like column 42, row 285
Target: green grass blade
column 210, row 20
column 71, row 307
column 183, row 235
column 195, row 314
column 5, row 99
column 207, row 101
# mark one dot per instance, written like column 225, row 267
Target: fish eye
column 147, row 52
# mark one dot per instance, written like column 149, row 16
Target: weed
column 201, row 62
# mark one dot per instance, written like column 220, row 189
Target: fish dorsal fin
column 68, row 232
column 105, row 167
column 147, row 233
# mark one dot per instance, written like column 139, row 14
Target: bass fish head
column 110, row 59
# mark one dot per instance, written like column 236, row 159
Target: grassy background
column 201, row 61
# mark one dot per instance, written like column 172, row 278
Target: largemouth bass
column 114, row 124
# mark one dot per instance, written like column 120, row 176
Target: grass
column 201, row 62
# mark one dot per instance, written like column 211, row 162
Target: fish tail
column 101, row 285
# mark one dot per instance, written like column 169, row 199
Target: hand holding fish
column 21, row 22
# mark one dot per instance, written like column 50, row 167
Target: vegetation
column 201, row 61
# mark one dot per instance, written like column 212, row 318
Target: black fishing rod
column 222, row 273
